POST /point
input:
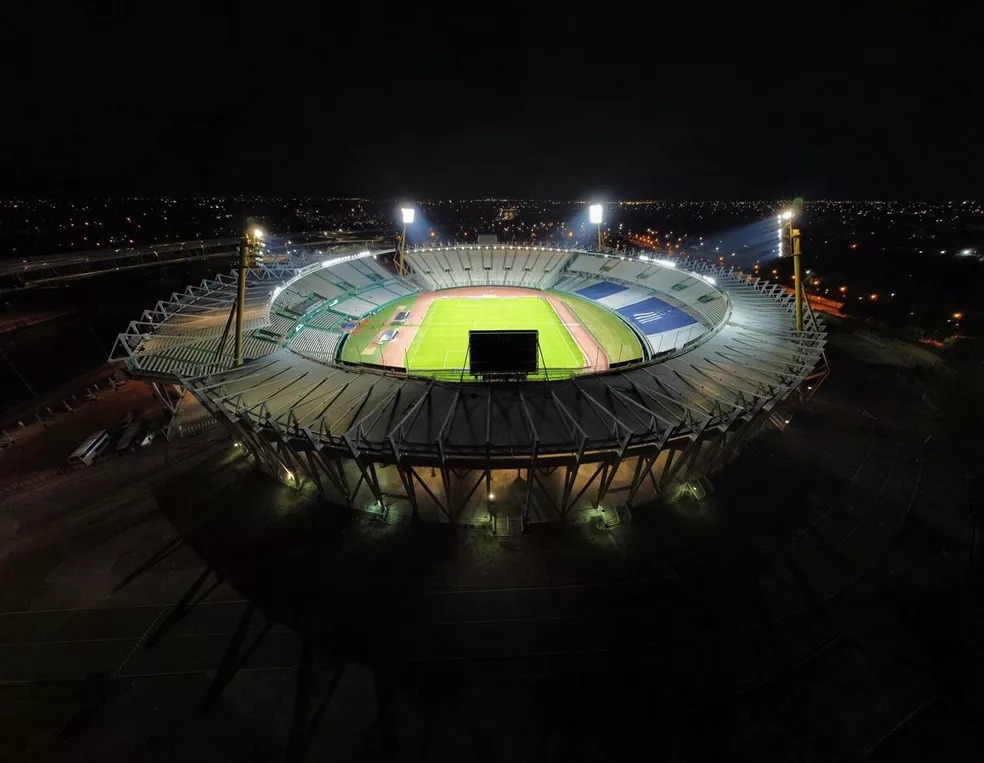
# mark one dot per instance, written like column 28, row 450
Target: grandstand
column 316, row 344
column 524, row 266
column 668, row 307
column 721, row 354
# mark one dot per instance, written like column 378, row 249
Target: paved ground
column 39, row 448
column 821, row 604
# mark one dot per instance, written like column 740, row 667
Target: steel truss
column 442, row 486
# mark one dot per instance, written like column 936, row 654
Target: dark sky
column 724, row 102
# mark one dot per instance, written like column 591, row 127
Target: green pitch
column 616, row 339
column 441, row 342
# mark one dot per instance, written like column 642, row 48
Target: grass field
column 442, row 340
column 617, row 340
column 357, row 342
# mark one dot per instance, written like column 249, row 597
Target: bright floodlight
column 787, row 215
column 594, row 214
column 257, row 232
column 407, row 215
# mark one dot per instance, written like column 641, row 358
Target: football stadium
column 480, row 384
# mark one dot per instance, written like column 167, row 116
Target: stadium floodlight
column 401, row 253
column 594, row 215
column 789, row 245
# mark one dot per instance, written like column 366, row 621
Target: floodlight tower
column 595, row 215
column 248, row 245
column 408, row 213
column 789, row 246
column 247, row 260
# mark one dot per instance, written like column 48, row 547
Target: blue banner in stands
column 653, row 316
column 599, row 290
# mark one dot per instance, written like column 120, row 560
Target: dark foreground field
column 822, row 604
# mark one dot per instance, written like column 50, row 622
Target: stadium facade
column 720, row 353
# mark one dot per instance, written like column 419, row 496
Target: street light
column 407, row 214
column 595, row 215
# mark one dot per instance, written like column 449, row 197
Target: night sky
column 725, row 103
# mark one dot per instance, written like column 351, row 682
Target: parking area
column 44, row 446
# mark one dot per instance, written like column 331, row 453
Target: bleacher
column 669, row 307
column 503, row 265
column 289, row 297
column 280, row 324
column 306, row 304
column 316, row 344
column 358, row 303
column 179, row 356
column 354, row 306
column 322, row 284
column 325, row 320
column 181, row 335
column 690, row 293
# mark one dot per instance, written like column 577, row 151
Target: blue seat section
column 654, row 316
column 599, row 290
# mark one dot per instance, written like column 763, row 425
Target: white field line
column 584, row 356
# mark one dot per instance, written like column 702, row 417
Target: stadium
column 646, row 375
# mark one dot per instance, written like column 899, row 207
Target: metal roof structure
column 340, row 424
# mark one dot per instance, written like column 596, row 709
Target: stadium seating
column 667, row 306
column 533, row 268
column 354, row 306
column 690, row 293
column 176, row 355
column 280, row 324
column 353, row 288
column 325, row 320
column 316, row 344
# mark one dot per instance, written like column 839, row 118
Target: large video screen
column 502, row 352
